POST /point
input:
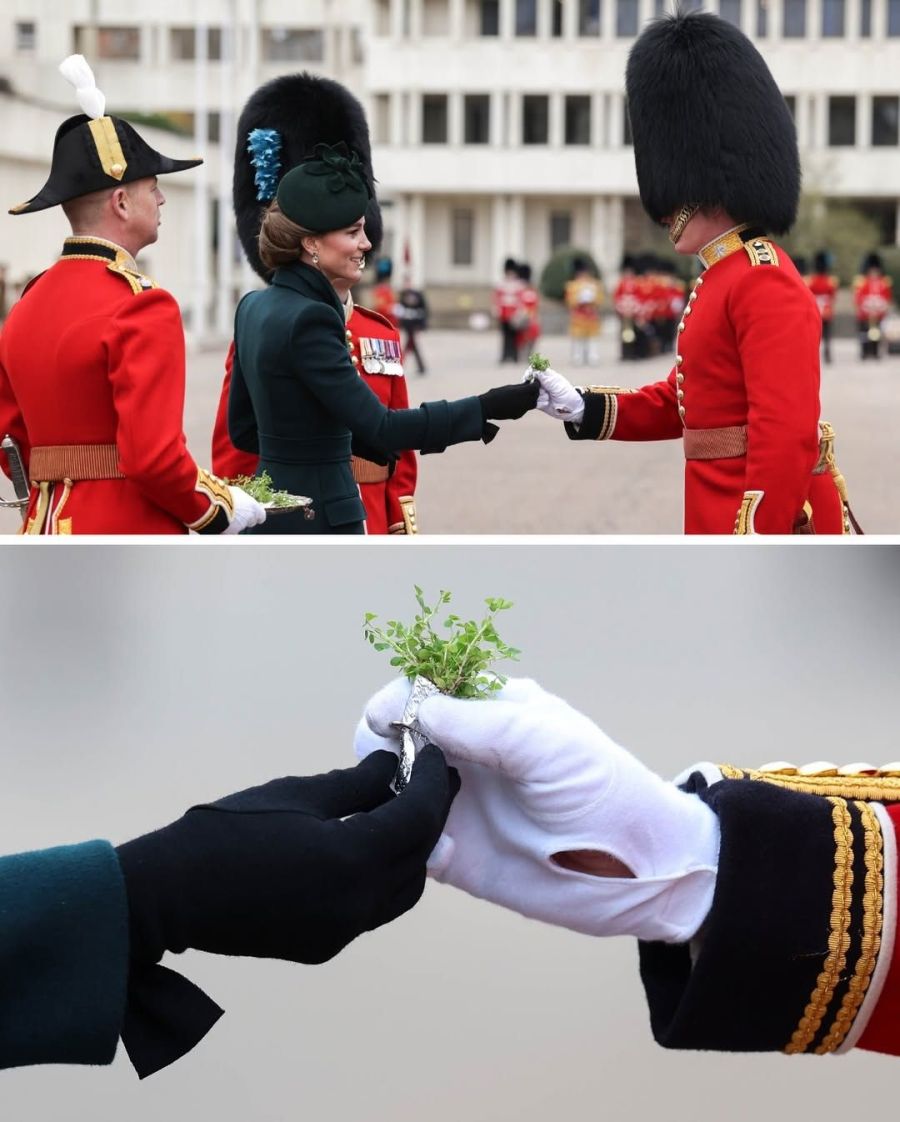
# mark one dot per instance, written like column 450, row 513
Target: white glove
column 540, row 779
column 247, row 511
column 557, row 397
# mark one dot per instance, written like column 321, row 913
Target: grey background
column 139, row 679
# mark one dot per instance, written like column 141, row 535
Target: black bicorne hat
column 303, row 110
column 90, row 154
column 709, row 124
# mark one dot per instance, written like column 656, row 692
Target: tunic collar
column 87, row 247
column 723, row 246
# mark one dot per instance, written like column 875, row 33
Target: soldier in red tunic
column 92, row 357
column 824, row 287
column 387, row 481
column 743, row 395
column 872, row 298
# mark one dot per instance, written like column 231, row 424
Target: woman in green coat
column 296, row 398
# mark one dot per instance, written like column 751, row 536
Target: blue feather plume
column 264, row 146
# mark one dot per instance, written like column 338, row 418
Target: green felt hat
column 326, row 192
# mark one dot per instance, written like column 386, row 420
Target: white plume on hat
column 75, row 69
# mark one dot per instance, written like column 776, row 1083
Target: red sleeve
column 650, row 413
column 11, row 421
column 146, row 370
column 778, row 329
column 227, row 461
column 403, row 482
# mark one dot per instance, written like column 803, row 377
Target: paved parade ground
column 532, row 480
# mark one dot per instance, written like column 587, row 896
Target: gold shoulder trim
column 881, row 787
column 138, row 281
column 747, row 513
column 762, row 252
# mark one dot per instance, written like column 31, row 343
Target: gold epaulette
column 862, row 781
column 138, row 281
column 607, row 389
column 761, row 252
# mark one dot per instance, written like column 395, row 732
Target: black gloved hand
column 508, row 403
column 382, row 456
column 273, row 872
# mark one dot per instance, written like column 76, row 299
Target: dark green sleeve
column 318, row 354
column 242, row 429
column 63, row 955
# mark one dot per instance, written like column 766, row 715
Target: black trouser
column 869, row 348
column 510, row 337
column 410, row 348
column 826, row 338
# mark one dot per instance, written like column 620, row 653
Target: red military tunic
column 743, row 395
column 389, row 499
column 872, row 297
column 92, row 388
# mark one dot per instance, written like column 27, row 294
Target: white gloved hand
column 539, row 779
column 247, row 511
column 557, row 397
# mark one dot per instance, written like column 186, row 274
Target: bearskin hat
column 872, row 261
column 303, row 110
column 822, row 261
column 710, row 126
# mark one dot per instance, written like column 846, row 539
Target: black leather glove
column 276, row 871
column 508, row 403
column 382, row 456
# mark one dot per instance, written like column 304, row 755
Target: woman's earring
column 315, row 258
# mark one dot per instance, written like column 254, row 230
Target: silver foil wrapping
column 411, row 740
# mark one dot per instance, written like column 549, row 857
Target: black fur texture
column 710, row 126
column 306, row 110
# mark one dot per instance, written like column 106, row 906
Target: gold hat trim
column 109, row 148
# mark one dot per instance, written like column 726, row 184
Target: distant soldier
column 506, row 305
column 625, row 301
column 873, row 294
column 584, row 298
column 823, row 285
column 529, row 315
column 92, row 366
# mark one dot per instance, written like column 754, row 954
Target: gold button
column 891, row 770
column 355, row 360
column 678, row 360
column 680, row 395
column 699, row 281
column 349, row 334
column 858, row 769
column 681, row 326
column 116, row 170
column 681, row 410
column 692, row 297
column 688, row 310
column 679, row 377
column 779, row 767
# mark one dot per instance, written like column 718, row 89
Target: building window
column 832, row 19
column 626, row 18
column 382, row 119
column 841, row 122
column 293, row 44
column 588, row 17
column 627, row 138
column 731, row 10
column 476, row 119
column 762, row 18
column 111, row 42
column 526, row 17
column 26, row 35
column 535, row 119
column 560, row 229
column 435, row 18
column 578, row 119
column 463, row 222
column 865, row 19
column 794, row 19
column 885, row 118
column 556, row 19
column 490, row 17
column 434, row 119
column 383, row 18
column 893, row 27
column 183, row 43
